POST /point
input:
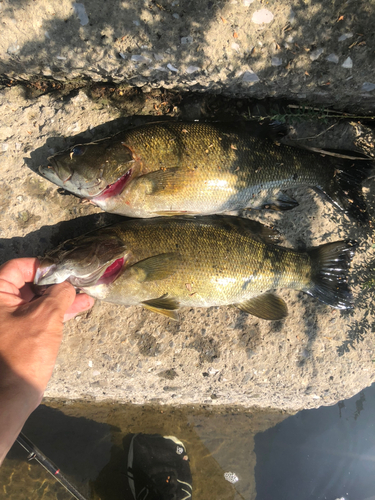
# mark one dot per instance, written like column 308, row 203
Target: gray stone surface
column 317, row 51
column 216, row 356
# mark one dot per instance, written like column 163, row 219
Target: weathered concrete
column 312, row 50
column 212, row 356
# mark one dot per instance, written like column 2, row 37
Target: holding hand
column 30, row 337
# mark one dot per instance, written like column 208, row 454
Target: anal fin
column 163, row 305
column 265, row 306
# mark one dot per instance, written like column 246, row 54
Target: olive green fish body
column 211, row 261
column 195, row 168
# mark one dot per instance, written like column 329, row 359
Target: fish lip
column 43, row 273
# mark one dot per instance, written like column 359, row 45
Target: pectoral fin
column 280, row 202
column 266, row 306
column 166, row 180
column 156, row 268
column 163, row 305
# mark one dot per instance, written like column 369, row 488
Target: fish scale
column 171, row 168
column 206, row 261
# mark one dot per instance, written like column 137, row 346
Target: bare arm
column 30, row 337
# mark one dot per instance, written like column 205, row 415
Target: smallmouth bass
column 168, row 263
column 170, row 168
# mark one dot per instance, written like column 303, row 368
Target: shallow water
column 327, row 453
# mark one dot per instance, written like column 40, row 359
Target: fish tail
column 345, row 189
column 329, row 273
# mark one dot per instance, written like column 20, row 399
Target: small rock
column 137, row 23
column 235, row 46
column 316, row 53
column 368, row 87
column 121, row 54
column 192, row 69
column 276, row 61
column 13, row 48
column 61, row 58
column 90, row 363
column 139, row 58
column 158, row 57
column 345, row 36
column 348, row 63
column 172, row 68
column 186, row 39
column 262, row 16
column 161, row 68
column 4, row 147
column 80, row 10
column 176, row 16
column 247, row 2
column 333, row 58
column 250, row 77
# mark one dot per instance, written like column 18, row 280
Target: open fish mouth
column 49, row 274
column 114, row 189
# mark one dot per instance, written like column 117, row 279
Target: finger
column 81, row 303
column 19, row 271
column 27, row 293
column 62, row 295
column 7, row 287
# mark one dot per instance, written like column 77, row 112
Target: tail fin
column 345, row 189
column 330, row 266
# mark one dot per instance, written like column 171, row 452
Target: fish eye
column 78, row 150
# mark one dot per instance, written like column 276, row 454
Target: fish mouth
column 48, row 275
column 112, row 272
column 114, row 189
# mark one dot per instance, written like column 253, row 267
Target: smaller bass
column 168, row 263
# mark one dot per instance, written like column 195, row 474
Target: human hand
column 30, row 337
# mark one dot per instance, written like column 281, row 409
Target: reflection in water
column 90, row 443
column 321, row 454
column 231, row 454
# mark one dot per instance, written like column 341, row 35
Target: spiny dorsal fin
column 163, row 305
column 156, row 268
column 266, row 306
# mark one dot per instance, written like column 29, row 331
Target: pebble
column 315, row 54
column 186, row 39
column 121, row 54
column 90, row 363
column 80, row 10
column 276, row 61
column 368, row 87
column 161, row 68
column 139, row 58
column 176, row 16
column 192, row 69
column 158, row 57
column 345, row 36
column 247, row 3
column 137, row 23
column 332, row 58
column 262, row 16
column 348, row 63
column 235, row 46
column 13, row 48
column 4, row 146
column 250, row 76
column 172, row 68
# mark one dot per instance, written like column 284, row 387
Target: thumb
column 60, row 297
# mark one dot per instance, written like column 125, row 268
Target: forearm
column 17, row 402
